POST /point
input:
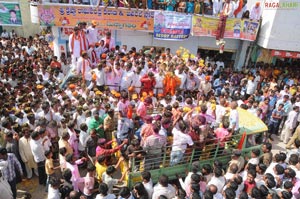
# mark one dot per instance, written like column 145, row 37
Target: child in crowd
column 89, row 182
column 49, row 167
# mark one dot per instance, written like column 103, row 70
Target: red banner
column 285, row 54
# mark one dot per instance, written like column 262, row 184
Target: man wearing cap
column 255, row 12
column 205, row 86
column 92, row 33
column 9, row 172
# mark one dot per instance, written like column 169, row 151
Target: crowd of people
column 107, row 109
column 238, row 8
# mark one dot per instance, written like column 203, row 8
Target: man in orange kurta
column 171, row 83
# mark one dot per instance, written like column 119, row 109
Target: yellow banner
column 204, row 26
column 235, row 28
column 110, row 18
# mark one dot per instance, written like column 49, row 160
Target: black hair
column 103, row 189
column 218, row 172
column 91, row 167
column 124, row 192
column 268, row 145
column 47, row 153
column 207, row 167
column 229, row 193
column 243, row 195
column 110, row 170
column 195, row 178
column 69, row 157
column 141, row 191
column 255, row 193
column 286, row 195
column 262, row 167
column 100, row 159
column 256, row 152
column 291, row 173
column 233, row 185
column 208, row 195
column 54, row 182
column 162, row 197
column 294, row 159
column 297, row 143
column 279, row 169
column 67, row 175
column 146, row 175
column 34, row 134
column 163, row 180
column 282, row 156
column 288, row 185
column 252, row 172
column 62, row 150
column 264, row 190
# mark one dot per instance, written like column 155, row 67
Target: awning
column 285, row 54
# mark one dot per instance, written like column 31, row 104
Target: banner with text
column 10, row 14
column 108, row 18
column 235, row 28
column 171, row 26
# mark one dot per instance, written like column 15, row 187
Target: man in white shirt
column 84, row 69
column 218, row 179
column 163, row 188
column 100, row 76
column 39, row 156
column 147, row 182
column 76, row 45
column 92, row 33
column 234, row 117
column 182, row 76
column 255, row 11
column 289, row 125
column 180, row 142
column 217, row 7
column 5, row 34
column 127, row 77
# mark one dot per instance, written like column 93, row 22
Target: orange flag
column 242, row 140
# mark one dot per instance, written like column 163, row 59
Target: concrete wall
column 280, row 28
column 27, row 28
column 140, row 39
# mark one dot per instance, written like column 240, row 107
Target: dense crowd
column 105, row 109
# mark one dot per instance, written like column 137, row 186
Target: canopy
column 249, row 123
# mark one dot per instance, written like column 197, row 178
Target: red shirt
column 249, row 186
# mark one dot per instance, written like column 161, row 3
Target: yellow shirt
column 49, row 166
column 100, row 169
